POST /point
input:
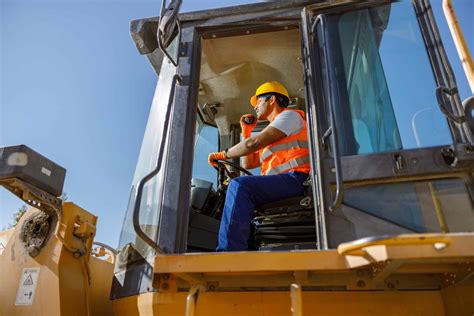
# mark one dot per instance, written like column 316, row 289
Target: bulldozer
column 386, row 223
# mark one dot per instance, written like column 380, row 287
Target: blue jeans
column 243, row 195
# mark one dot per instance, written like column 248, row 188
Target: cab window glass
column 390, row 89
column 206, row 141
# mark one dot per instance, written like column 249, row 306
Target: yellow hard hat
column 268, row 87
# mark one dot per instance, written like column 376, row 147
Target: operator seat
column 285, row 225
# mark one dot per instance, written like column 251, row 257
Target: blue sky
column 74, row 88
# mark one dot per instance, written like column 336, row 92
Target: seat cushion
column 283, row 206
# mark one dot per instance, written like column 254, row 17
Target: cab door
column 391, row 149
column 152, row 223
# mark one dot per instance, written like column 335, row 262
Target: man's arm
column 248, row 147
column 251, row 160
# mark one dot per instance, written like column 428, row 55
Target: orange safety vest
column 288, row 154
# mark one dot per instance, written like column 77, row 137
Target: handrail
column 443, row 73
column 100, row 244
column 113, row 252
column 296, row 300
column 321, row 19
column 191, row 299
column 145, row 179
column 354, row 248
column 312, row 117
column 440, row 92
column 460, row 42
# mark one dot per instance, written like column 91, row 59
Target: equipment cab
column 391, row 150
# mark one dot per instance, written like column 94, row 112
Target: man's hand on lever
column 249, row 146
column 248, row 123
column 213, row 157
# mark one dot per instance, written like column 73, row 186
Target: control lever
column 249, row 119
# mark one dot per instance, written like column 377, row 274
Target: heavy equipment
column 385, row 226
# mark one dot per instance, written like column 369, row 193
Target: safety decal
column 28, row 281
column 27, row 286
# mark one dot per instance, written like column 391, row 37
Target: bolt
column 211, row 287
column 390, row 285
column 361, row 283
column 165, row 276
column 33, row 251
column 165, row 286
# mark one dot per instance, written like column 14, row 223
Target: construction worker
column 281, row 150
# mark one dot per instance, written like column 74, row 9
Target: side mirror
column 169, row 30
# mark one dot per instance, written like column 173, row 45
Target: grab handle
column 138, row 199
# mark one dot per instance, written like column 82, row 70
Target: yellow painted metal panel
column 62, row 285
column 355, row 303
column 99, row 292
column 250, row 261
column 403, row 247
column 459, row 300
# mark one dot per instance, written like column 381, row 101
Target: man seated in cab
column 281, row 150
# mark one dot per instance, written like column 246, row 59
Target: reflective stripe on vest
column 297, row 162
column 287, row 154
column 286, row 146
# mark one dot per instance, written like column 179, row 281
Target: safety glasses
column 262, row 96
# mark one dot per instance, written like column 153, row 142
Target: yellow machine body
column 376, row 277
column 397, row 274
column 372, row 278
column 313, row 303
column 63, row 282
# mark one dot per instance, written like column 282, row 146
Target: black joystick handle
column 249, row 119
